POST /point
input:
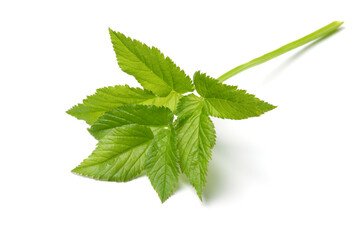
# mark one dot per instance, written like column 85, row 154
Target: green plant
column 136, row 129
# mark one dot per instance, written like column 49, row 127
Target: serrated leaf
column 148, row 65
column 150, row 116
column 108, row 98
column 162, row 163
column 195, row 139
column 119, row 156
column 226, row 101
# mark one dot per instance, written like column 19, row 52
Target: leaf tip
column 271, row 107
column 163, row 197
column 200, row 196
column 76, row 171
column 73, row 112
column 196, row 74
column 69, row 111
column 93, row 133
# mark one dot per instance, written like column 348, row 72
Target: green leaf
column 162, row 163
column 149, row 66
column 226, row 101
column 150, row 116
column 195, row 139
column 169, row 101
column 119, row 156
column 108, row 98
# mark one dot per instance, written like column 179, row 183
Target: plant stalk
column 322, row 32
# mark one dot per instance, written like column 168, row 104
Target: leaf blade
column 119, row 156
column 150, row 116
column 162, row 163
column 149, row 66
column 225, row 101
column 196, row 138
column 108, row 98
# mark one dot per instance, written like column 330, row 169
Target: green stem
column 328, row 29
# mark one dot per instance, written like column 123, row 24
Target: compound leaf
column 226, row 101
column 119, row 156
column 148, row 65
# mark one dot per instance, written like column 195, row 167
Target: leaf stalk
column 322, row 32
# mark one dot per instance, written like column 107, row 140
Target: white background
column 293, row 173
